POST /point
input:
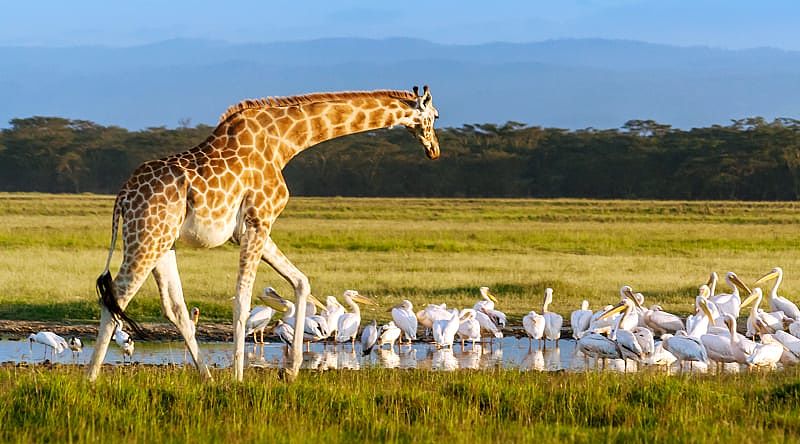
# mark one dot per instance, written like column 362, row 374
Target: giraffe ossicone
column 230, row 187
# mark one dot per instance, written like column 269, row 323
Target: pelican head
column 702, row 301
column 405, row 305
column 712, row 279
column 732, row 278
column 626, row 292
column 274, row 300
column 466, row 314
column 773, row 274
column 32, row 338
column 354, row 296
column 624, row 305
column 486, row 294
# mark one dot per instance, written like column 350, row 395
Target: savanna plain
column 52, row 247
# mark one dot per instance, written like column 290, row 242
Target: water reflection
column 507, row 353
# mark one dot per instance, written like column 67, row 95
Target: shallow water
column 506, row 353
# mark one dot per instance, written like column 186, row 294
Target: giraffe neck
column 289, row 130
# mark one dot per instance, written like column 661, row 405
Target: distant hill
column 559, row 83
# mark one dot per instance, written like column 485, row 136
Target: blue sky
column 719, row 23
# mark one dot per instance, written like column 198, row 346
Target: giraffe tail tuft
column 105, row 291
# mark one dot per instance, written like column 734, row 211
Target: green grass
column 167, row 405
column 426, row 250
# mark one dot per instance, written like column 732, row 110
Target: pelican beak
column 364, row 300
column 492, row 297
column 742, row 286
column 392, row 308
column 749, row 300
column 612, row 311
column 274, row 301
column 766, row 277
column 710, row 279
column 706, row 310
column 316, row 302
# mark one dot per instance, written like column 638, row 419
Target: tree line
column 750, row 159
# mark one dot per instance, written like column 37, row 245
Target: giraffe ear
column 426, row 96
column 416, row 90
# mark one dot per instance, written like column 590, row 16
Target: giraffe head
column 421, row 124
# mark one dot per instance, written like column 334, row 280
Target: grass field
column 169, row 405
column 425, row 250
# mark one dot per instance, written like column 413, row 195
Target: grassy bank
column 165, row 405
column 425, row 250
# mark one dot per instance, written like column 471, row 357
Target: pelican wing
column 406, row 321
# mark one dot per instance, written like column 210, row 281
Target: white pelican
column 595, row 345
column 388, row 334
column 552, row 321
column 791, row 344
column 719, row 348
column 56, row 343
column 349, row 322
column 661, row 321
column 321, row 320
column 124, row 341
column 487, row 325
column 534, row 325
column 333, row 311
column 486, row 305
column 685, row 348
column 444, row 331
column 258, row 321
column 369, row 337
column 660, row 356
column 730, row 303
column 705, row 315
column 794, row 329
column 284, row 332
column 760, row 322
column 76, row 345
column 311, row 329
column 604, row 326
column 469, row 329
column 405, row 318
column 627, row 342
column 776, row 302
column 579, row 320
column 766, row 354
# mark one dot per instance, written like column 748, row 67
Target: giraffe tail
column 105, row 284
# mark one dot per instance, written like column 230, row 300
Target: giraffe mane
column 304, row 99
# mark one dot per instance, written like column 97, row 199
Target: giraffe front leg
column 278, row 261
column 252, row 244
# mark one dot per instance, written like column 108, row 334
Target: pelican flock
column 624, row 332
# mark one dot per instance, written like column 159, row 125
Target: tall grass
column 166, row 405
column 425, row 250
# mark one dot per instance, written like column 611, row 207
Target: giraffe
column 230, row 187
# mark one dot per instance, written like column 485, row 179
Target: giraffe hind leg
column 172, row 302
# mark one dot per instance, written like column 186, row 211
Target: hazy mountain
column 563, row 83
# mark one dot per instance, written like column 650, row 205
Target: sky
column 732, row 24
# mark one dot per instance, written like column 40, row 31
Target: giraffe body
column 230, row 187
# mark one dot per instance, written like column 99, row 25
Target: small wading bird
column 76, row 345
column 50, row 340
column 124, row 341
